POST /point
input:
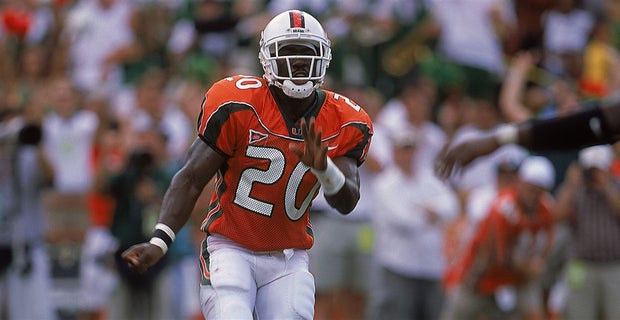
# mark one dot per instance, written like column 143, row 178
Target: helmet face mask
column 287, row 65
column 303, row 31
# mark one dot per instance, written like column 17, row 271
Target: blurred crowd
column 99, row 99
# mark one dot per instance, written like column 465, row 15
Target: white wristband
column 166, row 229
column 160, row 243
column 507, row 134
column 332, row 179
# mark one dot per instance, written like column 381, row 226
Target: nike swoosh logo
column 329, row 148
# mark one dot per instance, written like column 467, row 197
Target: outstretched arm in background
column 599, row 124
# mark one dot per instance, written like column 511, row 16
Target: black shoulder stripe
column 213, row 129
column 358, row 151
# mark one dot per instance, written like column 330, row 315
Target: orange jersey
column 263, row 192
column 506, row 235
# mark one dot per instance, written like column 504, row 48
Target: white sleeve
column 394, row 208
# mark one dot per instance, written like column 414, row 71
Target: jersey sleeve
column 216, row 123
column 356, row 133
column 359, row 136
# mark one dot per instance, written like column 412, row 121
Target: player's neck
column 294, row 108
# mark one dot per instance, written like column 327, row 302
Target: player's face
column 299, row 66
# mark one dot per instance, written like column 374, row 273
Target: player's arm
column 345, row 199
column 187, row 185
column 593, row 125
column 201, row 165
column 339, row 177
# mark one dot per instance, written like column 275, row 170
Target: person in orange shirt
column 506, row 255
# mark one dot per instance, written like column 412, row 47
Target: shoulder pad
column 238, row 88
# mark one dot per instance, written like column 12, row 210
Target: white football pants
column 256, row 285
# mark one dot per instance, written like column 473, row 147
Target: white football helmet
column 299, row 28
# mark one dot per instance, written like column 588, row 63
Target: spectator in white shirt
column 414, row 207
column 94, row 30
column 69, row 133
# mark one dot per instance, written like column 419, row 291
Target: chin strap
column 297, row 91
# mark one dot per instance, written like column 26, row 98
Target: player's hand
column 314, row 153
column 454, row 158
column 142, row 256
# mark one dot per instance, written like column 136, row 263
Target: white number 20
column 274, row 172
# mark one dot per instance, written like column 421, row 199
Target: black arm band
column 162, row 235
column 581, row 129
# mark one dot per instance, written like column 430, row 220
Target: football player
column 271, row 142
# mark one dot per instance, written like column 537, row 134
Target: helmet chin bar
column 297, row 91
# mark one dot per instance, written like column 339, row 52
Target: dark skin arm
column 185, row 189
column 346, row 199
column 612, row 114
column 455, row 158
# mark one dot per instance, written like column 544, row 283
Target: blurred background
column 99, row 100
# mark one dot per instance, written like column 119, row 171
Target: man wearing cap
column 415, row 208
column 499, row 274
column 589, row 199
